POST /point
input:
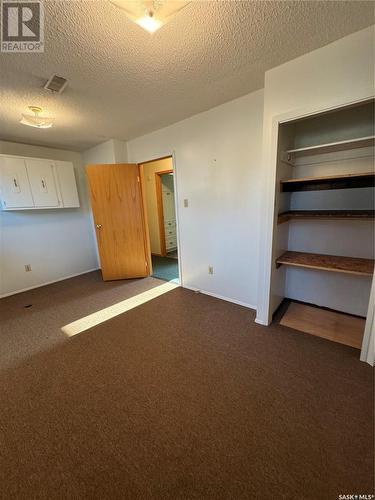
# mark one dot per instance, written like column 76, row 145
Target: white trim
column 368, row 343
column 177, row 211
column 48, row 283
column 221, row 297
column 310, row 111
column 260, row 322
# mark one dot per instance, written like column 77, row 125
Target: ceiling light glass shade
column 36, row 120
column 149, row 23
column 150, row 14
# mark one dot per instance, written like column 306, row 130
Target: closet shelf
column 326, row 215
column 343, row 181
column 323, row 262
column 360, row 142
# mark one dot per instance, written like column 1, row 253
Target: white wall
column 111, row 151
column 219, row 162
column 339, row 73
column 218, row 155
column 57, row 243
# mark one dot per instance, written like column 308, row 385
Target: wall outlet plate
column 27, row 267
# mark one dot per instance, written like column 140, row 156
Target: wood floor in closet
column 325, row 323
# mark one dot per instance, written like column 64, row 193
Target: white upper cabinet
column 42, row 182
column 15, row 186
column 31, row 184
column 67, row 183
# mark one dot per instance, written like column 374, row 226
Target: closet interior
column 323, row 244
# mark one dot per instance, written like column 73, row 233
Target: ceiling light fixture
column 150, row 14
column 36, row 120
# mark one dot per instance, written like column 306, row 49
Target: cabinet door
column 42, row 181
column 15, row 187
column 67, row 183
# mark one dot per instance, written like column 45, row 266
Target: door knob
column 98, row 226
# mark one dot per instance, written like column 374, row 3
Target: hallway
column 165, row 268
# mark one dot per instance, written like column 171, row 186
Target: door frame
column 145, row 218
column 172, row 155
column 159, row 203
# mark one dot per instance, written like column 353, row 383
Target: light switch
column 186, row 202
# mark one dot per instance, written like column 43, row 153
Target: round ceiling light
column 36, row 120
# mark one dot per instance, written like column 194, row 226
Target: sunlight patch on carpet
column 107, row 313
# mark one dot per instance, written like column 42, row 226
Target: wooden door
column 119, row 218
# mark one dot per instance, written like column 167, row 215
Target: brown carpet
column 184, row 397
column 31, row 322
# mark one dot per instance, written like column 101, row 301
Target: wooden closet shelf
column 324, row 262
column 360, row 142
column 326, row 215
column 343, row 181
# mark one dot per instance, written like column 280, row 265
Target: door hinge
column 138, row 179
column 146, row 263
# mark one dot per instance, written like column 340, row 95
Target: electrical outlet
column 210, row 269
column 27, row 267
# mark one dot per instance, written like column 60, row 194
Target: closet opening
column 323, row 245
column 159, row 194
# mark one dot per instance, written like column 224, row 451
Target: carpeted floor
column 165, row 268
column 184, row 397
column 31, row 322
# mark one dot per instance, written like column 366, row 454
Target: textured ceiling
column 124, row 82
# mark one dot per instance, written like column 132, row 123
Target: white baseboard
column 47, row 283
column 217, row 296
column 261, row 322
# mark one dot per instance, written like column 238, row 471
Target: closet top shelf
column 330, row 147
column 343, row 181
